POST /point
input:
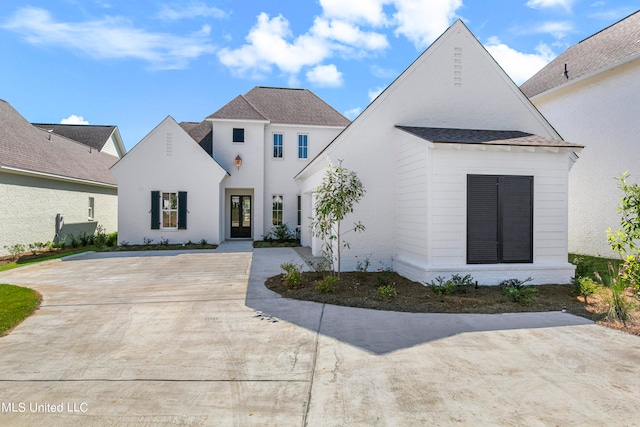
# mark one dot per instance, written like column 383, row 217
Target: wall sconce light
column 238, row 161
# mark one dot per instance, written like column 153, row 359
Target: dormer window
column 238, row 134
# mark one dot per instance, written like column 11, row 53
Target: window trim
column 306, row 146
column 273, row 146
column 163, row 210
column 233, row 136
column 274, row 211
column 91, row 214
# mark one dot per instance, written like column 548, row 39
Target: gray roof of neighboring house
column 92, row 135
column 612, row 45
column 201, row 133
column 26, row 147
column 281, row 106
column 488, row 137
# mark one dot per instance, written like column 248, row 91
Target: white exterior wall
column 445, row 244
column 168, row 160
column 249, row 179
column 279, row 172
column 602, row 114
column 30, row 205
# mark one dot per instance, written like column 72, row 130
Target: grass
column 601, row 265
column 16, row 304
column 42, row 257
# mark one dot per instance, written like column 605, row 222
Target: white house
column 462, row 174
column 52, row 186
column 590, row 94
column 234, row 169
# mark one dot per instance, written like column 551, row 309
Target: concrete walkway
column 194, row 338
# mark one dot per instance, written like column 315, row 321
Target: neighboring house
column 462, row 174
column 105, row 139
column 51, row 186
column 590, row 94
column 227, row 177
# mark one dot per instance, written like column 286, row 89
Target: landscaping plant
column 336, row 196
column 292, row 277
column 517, row 291
column 457, row 284
column 327, row 285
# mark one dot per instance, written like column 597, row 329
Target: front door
column 240, row 216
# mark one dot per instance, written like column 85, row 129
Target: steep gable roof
column 28, row 149
column 94, row 136
column 201, row 133
column 281, row 106
column 615, row 44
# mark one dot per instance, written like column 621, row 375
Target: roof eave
column 21, row 171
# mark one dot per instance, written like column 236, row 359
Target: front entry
column 240, row 217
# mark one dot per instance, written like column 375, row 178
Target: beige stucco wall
column 29, row 204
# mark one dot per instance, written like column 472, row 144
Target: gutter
column 20, row 171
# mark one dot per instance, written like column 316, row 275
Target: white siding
column 600, row 113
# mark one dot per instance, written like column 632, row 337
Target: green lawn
column 589, row 264
column 16, row 304
column 21, row 263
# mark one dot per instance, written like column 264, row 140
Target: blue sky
column 132, row 63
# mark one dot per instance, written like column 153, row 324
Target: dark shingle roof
column 281, row 106
column 488, row 137
column 91, row 135
column 24, row 146
column 607, row 47
column 201, row 133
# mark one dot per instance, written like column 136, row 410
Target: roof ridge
column 606, row 28
column 257, row 110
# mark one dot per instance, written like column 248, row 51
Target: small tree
column 626, row 241
column 339, row 191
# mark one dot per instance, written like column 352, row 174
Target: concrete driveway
column 173, row 338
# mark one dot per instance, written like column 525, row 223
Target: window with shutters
column 169, row 210
column 499, row 219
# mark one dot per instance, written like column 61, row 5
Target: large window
column 277, row 210
column 238, row 134
column 499, row 219
column 278, row 148
column 303, row 146
column 168, row 210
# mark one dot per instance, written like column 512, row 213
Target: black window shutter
column 182, row 210
column 516, row 212
column 482, row 219
column 155, row 210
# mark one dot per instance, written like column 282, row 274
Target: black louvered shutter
column 516, row 212
column 155, row 210
column 482, row 219
column 182, row 210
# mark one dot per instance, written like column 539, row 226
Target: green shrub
column 517, row 291
column 112, row 239
column 280, row 232
column 15, row 250
column 203, row 242
column 457, row 284
column 292, row 277
column 363, row 265
column 618, row 307
column 100, row 237
column 585, row 286
column 388, row 291
column 85, row 239
column 74, row 242
column 328, row 284
column 584, row 266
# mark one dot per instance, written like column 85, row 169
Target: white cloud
column 325, row 75
column 348, row 34
column 545, row 4
column 373, row 93
column 192, row 10
column 108, row 38
column 423, row 21
column 268, row 45
column 558, row 29
column 74, row 120
column 518, row 65
column 352, row 113
column 361, row 11
column 383, row 73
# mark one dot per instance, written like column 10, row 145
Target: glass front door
column 240, row 216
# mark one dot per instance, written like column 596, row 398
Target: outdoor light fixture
column 238, row 161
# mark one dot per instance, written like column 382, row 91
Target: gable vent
column 457, row 66
column 169, row 144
